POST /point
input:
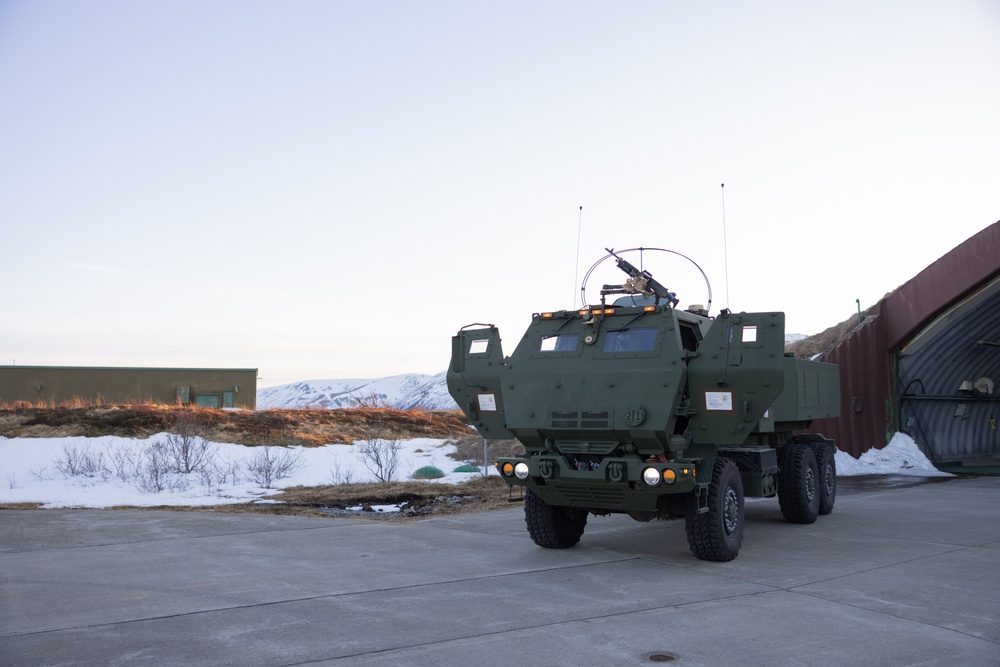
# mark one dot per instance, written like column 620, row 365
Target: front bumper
column 616, row 484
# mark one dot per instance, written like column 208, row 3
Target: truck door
column 735, row 376
column 474, row 378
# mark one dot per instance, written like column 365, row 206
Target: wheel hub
column 730, row 510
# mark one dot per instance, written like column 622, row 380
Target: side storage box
column 812, row 391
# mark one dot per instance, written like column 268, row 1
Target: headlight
column 521, row 470
column 651, row 476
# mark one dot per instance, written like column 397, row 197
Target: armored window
column 479, row 345
column 563, row 343
column 689, row 337
column 630, row 340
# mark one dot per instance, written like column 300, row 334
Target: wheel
column 798, row 483
column 826, row 466
column 716, row 535
column 551, row 526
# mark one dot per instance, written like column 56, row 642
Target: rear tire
column 551, row 526
column 798, row 483
column 826, row 466
column 717, row 535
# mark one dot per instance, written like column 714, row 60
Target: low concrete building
column 58, row 385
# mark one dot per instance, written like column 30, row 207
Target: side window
column 563, row 343
column 689, row 338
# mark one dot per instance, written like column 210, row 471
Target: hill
column 402, row 392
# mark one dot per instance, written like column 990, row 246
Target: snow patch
column 900, row 457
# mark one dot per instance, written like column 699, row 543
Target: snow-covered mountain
column 403, row 392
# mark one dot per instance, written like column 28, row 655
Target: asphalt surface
column 904, row 572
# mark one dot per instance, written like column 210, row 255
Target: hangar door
column 947, row 380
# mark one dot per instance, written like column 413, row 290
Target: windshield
column 630, row 340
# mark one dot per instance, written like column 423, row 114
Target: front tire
column 551, row 526
column 798, row 483
column 717, row 535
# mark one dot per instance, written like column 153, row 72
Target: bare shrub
column 39, row 472
column 185, row 450
column 338, row 475
column 470, row 450
column 125, row 460
column 188, row 453
column 11, row 481
column 154, row 471
column 272, row 463
column 208, row 477
column 227, row 471
column 381, row 457
column 151, row 471
column 81, row 462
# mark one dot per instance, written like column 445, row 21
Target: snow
column 118, row 474
column 30, row 470
column 901, row 456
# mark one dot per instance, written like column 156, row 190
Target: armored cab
column 643, row 408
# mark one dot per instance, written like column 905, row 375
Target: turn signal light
column 669, row 476
column 507, row 469
column 648, row 309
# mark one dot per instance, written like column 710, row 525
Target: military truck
column 643, row 408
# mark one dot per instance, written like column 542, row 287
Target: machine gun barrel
column 651, row 286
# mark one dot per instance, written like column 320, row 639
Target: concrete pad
column 899, row 574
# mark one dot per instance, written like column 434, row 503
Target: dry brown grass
column 308, row 428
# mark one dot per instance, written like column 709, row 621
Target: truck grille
column 592, row 497
column 580, row 420
column 586, row 447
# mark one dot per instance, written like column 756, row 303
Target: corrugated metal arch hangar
column 926, row 361
column 948, row 399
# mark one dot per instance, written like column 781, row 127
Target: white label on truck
column 487, row 402
column 719, row 400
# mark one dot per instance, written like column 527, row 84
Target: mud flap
column 474, row 378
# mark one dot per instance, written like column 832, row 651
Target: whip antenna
column 576, row 266
column 725, row 243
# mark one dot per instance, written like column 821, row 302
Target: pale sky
column 331, row 189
